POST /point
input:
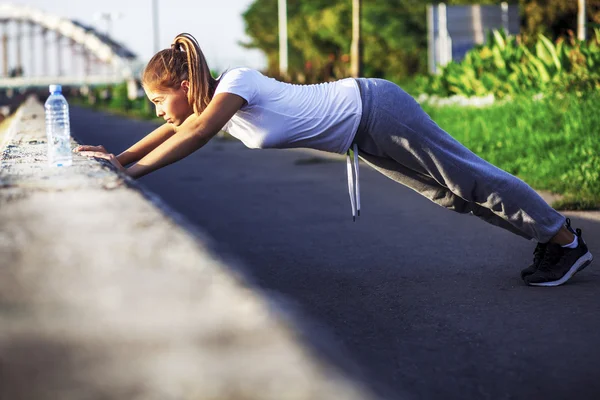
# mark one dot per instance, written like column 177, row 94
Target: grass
column 552, row 144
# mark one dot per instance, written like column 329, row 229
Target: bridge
column 81, row 55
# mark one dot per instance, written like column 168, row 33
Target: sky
column 216, row 24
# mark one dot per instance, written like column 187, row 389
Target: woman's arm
column 146, row 144
column 194, row 133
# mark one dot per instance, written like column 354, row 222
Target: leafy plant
column 504, row 66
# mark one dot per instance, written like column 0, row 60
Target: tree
column 394, row 35
column 394, row 32
column 555, row 18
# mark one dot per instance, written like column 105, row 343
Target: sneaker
column 538, row 256
column 559, row 264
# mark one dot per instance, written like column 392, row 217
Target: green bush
column 118, row 97
column 505, row 66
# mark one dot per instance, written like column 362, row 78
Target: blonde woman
column 373, row 118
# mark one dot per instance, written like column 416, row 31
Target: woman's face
column 171, row 104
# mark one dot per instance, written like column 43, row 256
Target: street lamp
column 356, row 46
column 109, row 17
column 581, row 20
column 155, row 25
column 283, row 40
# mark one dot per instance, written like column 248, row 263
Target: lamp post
column 109, row 17
column 283, row 45
column 581, row 20
column 356, row 50
column 155, row 25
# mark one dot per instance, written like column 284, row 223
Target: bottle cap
column 55, row 89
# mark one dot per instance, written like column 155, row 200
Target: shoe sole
column 579, row 265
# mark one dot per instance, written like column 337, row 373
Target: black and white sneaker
column 559, row 263
column 539, row 251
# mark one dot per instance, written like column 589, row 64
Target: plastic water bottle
column 58, row 129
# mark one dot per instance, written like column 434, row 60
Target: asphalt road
column 428, row 303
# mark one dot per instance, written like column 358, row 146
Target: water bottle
column 58, row 130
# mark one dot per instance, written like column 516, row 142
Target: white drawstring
column 353, row 185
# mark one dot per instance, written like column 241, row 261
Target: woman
column 371, row 117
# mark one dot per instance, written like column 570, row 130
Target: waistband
column 364, row 87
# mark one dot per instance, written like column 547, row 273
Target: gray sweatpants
column 397, row 138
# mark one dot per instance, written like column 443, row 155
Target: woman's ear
column 185, row 86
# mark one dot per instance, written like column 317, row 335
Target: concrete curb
column 107, row 293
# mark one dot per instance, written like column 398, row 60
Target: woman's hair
column 183, row 61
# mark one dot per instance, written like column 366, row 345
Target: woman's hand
column 98, row 149
column 106, row 156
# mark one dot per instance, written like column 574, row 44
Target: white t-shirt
column 282, row 115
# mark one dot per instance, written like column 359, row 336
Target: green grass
column 552, row 144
